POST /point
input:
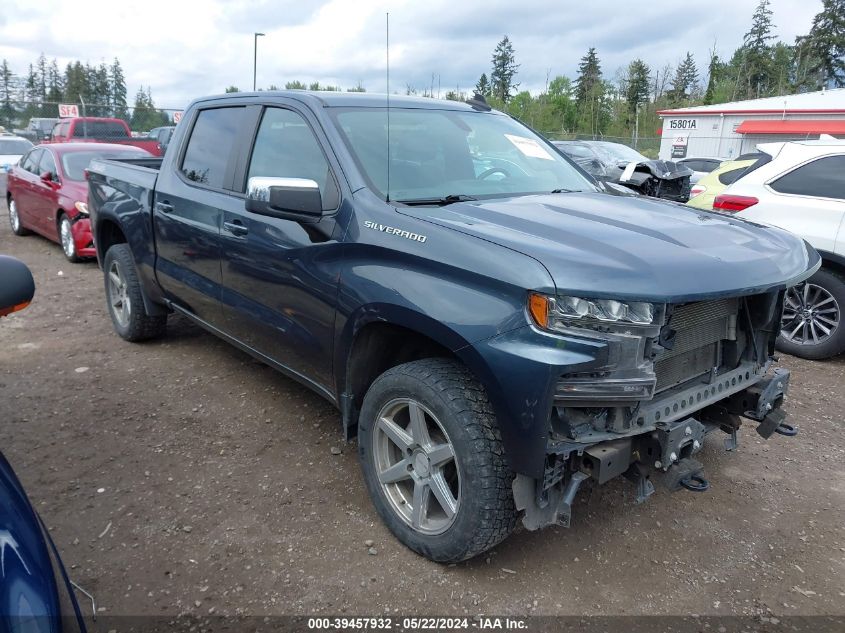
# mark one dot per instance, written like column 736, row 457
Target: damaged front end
column 674, row 374
column 655, row 178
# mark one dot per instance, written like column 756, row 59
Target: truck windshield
column 99, row 129
column 438, row 155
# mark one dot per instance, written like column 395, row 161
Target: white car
column 800, row 186
column 11, row 150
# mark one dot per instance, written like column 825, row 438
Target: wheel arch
column 383, row 336
column 833, row 261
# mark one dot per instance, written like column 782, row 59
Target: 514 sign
column 68, row 110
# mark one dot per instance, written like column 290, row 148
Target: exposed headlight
column 559, row 313
column 82, row 207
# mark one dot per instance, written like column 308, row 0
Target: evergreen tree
column 756, row 52
column 41, row 71
column 827, row 44
column 117, row 83
column 76, row 83
column 714, row 71
column 295, row 85
column 685, row 80
column 231, row 89
column 7, row 110
column 483, row 86
column 504, row 71
column 589, row 76
column 638, row 85
column 359, row 87
column 590, row 95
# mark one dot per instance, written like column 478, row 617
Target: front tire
column 124, row 298
column 15, row 219
column 433, row 460
column 812, row 325
column 66, row 239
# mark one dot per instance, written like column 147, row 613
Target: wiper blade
column 565, row 191
column 442, row 202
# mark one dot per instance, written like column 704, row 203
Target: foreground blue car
column 36, row 595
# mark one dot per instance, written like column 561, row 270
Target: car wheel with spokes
column 66, row 238
column 125, row 302
column 433, row 460
column 15, row 219
column 811, row 325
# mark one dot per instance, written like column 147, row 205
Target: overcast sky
column 185, row 49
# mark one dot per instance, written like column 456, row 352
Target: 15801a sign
column 682, row 124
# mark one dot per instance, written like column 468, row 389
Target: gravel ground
column 183, row 477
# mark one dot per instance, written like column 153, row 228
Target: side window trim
column 231, row 161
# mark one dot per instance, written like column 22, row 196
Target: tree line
column 101, row 87
column 597, row 105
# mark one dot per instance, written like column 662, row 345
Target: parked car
column 704, row 192
column 493, row 338
column 617, row 163
column 41, row 127
column 163, row 136
column 700, row 166
column 11, row 150
column 100, row 130
column 47, row 193
column 800, row 186
column 36, row 593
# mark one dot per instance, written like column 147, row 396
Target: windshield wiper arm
column 441, row 202
column 565, row 191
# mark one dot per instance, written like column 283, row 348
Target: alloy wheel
column 14, row 219
column 118, row 295
column 416, row 465
column 810, row 315
column 68, row 244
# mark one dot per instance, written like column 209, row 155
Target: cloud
column 187, row 49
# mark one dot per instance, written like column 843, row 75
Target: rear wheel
column 433, row 460
column 125, row 302
column 15, row 219
column 811, row 325
column 66, row 237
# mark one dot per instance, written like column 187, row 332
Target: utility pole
column 255, row 58
column 637, row 126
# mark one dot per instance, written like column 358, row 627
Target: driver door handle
column 163, row 207
column 236, row 227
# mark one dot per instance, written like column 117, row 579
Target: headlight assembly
column 81, row 207
column 562, row 313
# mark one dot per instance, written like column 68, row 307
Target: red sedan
column 46, row 193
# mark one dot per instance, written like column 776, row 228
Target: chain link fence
column 36, row 121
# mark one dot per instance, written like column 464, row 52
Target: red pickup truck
column 100, row 130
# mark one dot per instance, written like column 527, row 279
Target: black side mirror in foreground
column 16, row 285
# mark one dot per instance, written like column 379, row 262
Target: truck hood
column 597, row 245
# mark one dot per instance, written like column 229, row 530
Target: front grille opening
column 700, row 328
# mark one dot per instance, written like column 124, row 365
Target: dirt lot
column 182, row 477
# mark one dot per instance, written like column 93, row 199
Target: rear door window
column 212, row 140
column 824, row 177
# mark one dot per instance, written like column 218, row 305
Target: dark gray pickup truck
column 494, row 329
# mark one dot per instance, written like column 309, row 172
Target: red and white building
column 728, row 130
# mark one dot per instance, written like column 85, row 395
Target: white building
column 727, row 130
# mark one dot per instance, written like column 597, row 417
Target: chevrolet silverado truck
column 494, row 329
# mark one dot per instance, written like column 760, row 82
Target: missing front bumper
column 663, row 448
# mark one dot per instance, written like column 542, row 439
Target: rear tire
column 15, row 219
column 810, row 309
column 445, row 491
column 124, row 298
